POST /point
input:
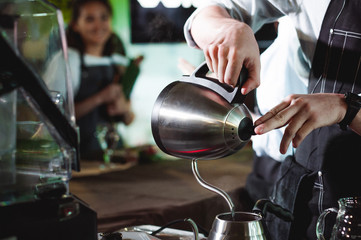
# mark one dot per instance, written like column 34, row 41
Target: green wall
column 121, row 19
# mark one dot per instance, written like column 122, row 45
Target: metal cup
column 243, row 225
column 247, row 225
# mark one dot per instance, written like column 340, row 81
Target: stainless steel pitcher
column 199, row 117
column 247, row 225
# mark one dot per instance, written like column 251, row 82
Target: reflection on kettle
column 199, row 117
column 348, row 220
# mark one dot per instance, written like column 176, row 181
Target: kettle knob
column 246, row 129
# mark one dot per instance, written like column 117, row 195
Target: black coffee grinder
column 38, row 136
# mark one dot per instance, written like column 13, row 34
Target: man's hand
column 228, row 45
column 302, row 114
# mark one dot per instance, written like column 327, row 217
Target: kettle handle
column 263, row 206
column 232, row 95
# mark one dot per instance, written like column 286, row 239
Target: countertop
column 161, row 191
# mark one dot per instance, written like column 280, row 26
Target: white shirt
column 280, row 76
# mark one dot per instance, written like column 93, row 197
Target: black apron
column 93, row 79
column 325, row 166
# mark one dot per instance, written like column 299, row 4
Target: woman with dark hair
column 75, row 35
column 97, row 61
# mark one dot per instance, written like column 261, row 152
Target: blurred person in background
column 98, row 63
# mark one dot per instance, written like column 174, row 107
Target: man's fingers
column 271, row 113
column 222, row 63
column 278, row 117
column 213, row 54
column 208, row 60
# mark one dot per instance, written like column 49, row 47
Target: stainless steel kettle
column 199, row 117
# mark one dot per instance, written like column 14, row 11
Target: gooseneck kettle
column 199, row 117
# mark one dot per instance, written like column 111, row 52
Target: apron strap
column 336, row 63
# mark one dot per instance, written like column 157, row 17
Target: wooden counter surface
column 162, row 191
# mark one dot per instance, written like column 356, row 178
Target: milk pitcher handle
column 320, row 227
column 262, row 206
